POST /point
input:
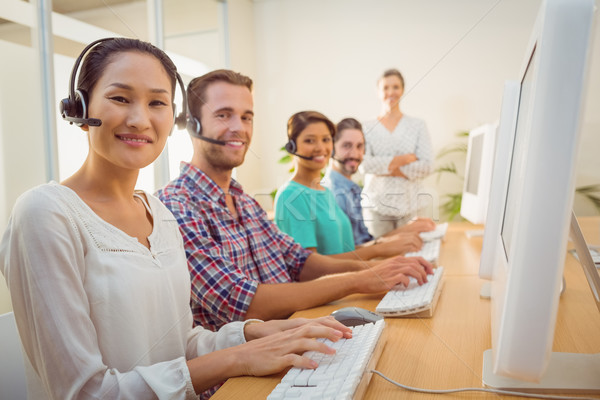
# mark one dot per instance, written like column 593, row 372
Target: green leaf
column 454, row 148
column 451, row 208
column 285, row 159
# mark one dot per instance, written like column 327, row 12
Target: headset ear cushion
column 290, row 146
column 66, row 107
column 180, row 120
column 193, row 126
column 80, row 104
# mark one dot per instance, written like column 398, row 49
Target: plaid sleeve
column 294, row 255
column 220, row 292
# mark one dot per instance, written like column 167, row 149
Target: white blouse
column 390, row 195
column 98, row 313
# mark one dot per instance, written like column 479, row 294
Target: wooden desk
column 446, row 351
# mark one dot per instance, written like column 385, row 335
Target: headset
column 291, row 148
column 194, row 128
column 74, row 107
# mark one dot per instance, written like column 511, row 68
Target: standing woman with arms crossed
column 97, row 272
column 398, row 155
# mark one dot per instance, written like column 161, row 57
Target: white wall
column 327, row 56
column 455, row 56
column 22, row 151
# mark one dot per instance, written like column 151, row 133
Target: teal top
column 313, row 218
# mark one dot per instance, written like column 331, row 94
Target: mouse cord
column 502, row 392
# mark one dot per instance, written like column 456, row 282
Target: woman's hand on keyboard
column 393, row 271
column 257, row 330
column 275, row 352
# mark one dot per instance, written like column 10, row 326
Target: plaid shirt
column 227, row 257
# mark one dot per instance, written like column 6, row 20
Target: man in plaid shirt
column 241, row 265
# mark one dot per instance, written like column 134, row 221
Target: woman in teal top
column 313, row 218
column 306, row 210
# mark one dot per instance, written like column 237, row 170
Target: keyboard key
column 430, row 250
column 411, row 299
column 438, row 233
column 337, row 375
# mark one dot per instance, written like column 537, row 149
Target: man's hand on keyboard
column 421, row 225
column 400, row 243
column 391, row 272
column 273, row 353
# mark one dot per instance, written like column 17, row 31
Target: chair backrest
column 12, row 368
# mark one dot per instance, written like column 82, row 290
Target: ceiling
column 70, row 6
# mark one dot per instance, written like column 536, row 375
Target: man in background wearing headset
column 241, row 265
column 349, row 150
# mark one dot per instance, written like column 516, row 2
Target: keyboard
column 594, row 252
column 402, row 301
column 430, row 250
column 438, row 233
column 340, row 375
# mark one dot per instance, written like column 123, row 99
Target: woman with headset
column 308, row 211
column 97, row 272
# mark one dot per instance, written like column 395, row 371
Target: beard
column 220, row 159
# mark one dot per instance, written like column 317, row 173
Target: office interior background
column 323, row 55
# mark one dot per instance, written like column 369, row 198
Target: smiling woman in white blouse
column 97, row 272
column 398, row 156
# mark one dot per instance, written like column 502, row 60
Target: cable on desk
column 496, row 391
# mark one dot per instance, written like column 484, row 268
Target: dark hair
column 299, row 121
column 347, row 123
column 103, row 53
column 393, row 72
column 196, row 90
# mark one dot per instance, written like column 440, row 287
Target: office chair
column 12, row 368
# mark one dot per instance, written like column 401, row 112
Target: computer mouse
column 352, row 316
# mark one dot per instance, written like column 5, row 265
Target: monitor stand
column 486, row 290
column 566, row 372
column 474, row 233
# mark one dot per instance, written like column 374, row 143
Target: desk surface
column 446, row 351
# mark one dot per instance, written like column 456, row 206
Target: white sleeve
column 374, row 163
column 424, row 152
column 43, row 261
column 202, row 341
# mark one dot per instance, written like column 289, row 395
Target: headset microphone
column 304, row 157
column 194, row 128
column 290, row 147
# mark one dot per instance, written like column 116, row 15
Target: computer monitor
column 531, row 243
column 478, row 173
column 499, row 178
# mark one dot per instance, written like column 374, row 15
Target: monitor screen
column 475, row 165
column 501, row 166
column 480, row 156
column 517, row 164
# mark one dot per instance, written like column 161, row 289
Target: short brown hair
column 299, row 121
column 347, row 123
column 392, row 72
column 196, row 90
